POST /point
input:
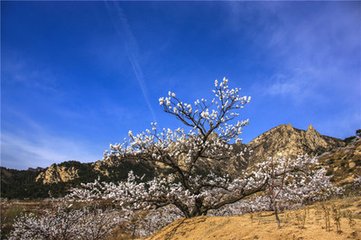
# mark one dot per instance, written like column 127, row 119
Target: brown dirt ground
column 263, row 226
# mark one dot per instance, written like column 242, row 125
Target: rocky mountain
column 287, row 141
column 341, row 159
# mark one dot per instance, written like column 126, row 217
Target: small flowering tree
column 291, row 183
column 66, row 224
column 302, row 182
column 188, row 176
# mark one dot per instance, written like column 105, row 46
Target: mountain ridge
column 339, row 158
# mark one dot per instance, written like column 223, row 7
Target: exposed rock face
column 284, row 140
column 66, row 172
column 57, row 174
column 107, row 170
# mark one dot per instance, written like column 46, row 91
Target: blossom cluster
column 206, row 115
column 67, row 224
column 209, row 134
column 288, row 181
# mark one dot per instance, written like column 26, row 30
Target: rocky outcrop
column 106, row 170
column 57, row 174
column 66, row 172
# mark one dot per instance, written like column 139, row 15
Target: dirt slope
column 263, row 225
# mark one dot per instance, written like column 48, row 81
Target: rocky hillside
column 65, row 172
column 343, row 163
column 341, row 159
column 285, row 140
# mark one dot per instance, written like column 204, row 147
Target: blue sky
column 76, row 76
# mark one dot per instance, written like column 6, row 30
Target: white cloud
column 34, row 146
column 316, row 52
column 285, row 88
column 38, row 148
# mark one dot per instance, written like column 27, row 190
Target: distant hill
column 341, row 159
column 21, row 184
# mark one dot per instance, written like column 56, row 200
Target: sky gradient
column 76, row 76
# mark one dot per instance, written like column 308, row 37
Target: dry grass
column 307, row 223
column 10, row 210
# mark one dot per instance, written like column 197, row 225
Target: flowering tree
column 192, row 183
column 189, row 175
column 293, row 182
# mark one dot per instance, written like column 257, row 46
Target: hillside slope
column 343, row 163
column 20, row 184
column 263, row 226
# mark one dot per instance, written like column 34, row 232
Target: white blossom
column 66, row 223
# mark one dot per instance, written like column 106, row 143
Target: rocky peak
column 312, row 133
column 310, row 128
column 285, row 140
column 314, row 140
column 280, row 132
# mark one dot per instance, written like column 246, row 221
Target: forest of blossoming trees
column 188, row 181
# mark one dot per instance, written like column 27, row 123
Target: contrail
column 131, row 47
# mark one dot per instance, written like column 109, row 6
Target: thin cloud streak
column 313, row 61
column 33, row 145
column 132, row 50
